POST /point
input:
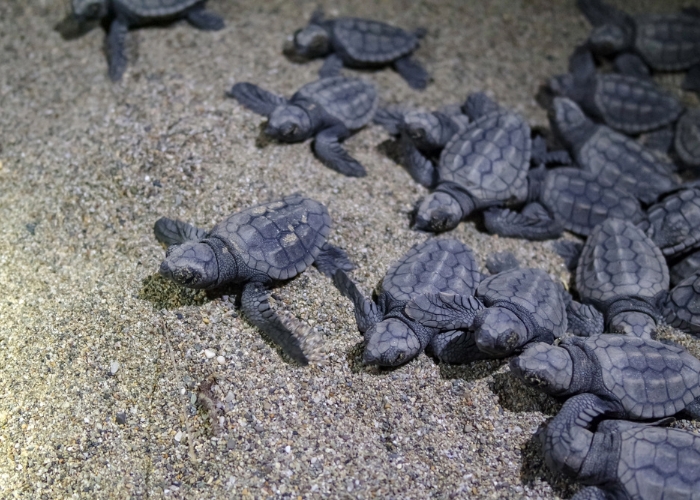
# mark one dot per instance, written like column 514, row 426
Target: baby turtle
column 681, row 306
column 622, row 460
column 621, row 376
column 622, row 272
column 127, row 14
column 685, row 267
column 358, row 43
column 673, row 223
column 255, row 247
column 511, row 309
column 626, row 103
column 687, row 138
column 391, row 337
column 328, row 109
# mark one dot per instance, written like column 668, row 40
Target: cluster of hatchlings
column 623, row 193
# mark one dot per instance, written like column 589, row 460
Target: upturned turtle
column 126, row 14
column 510, row 309
column 391, row 337
column 622, row 460
column 328, row 109
column 255, row 247
column 358, row 43
column 624, row 102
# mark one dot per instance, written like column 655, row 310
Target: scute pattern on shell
column 633, row 105
column 372, row 41
column 280, row 238
column 531, row 289
column 350, row 100
column 431, row 267
column 668, row 42
column 158, row 8
column 618, row 259
column 490, row 158
column 682, row 310
column 650, row 379
column 687, row 139
column 674, row 222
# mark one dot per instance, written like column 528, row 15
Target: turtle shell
column 682, row 306
column 580, row 200
column 280, row 238
column 619, row 260
column 674, row 222
column 351, row 100
column 687, row 140
column 490, row 159
column 668, row 42
column 633, row 105
column 371, row 42
column 531, row 289
column 650, row 379
column 432, row 267
column 619, row 161
column 158, row 8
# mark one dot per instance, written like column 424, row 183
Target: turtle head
column 424, row 129
column 610, row 39
column 390, row 343
column 89, row 10
column 289, row 123
column 438, row 212
column 308, row 43
column 546, row 367
column 569, row 121
column 192, row 264
column 499, row 332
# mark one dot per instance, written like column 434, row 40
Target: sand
column 107, row 387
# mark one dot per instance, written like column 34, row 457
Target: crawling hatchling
column 256, row 248
column 329, row 110
column 391, row 337
column 126, row 14
column 622, row 460
column 358, row 43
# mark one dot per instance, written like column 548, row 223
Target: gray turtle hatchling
column 358, row 43
column 687, row 138
column 622, row 460
column 622, row 273
column 681, row 306
column 255, row 247
column 328, row 109
column 620, row 376
column 673, row 223
column 511, row 309
column 391, row 337
column 624, row 102
column 126, row 14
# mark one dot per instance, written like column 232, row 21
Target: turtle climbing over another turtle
column 621, row 460
column 358, row 43
column 620, row 376
column 391, row 337
column 328, row 110
column 626, row 103
column 510, row 310
column 255, row 247
column 127, row 14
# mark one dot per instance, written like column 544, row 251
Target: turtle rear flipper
column 540, row 155
column 255, row 98
column 331, row 259
column 176, row 232
column 533, row 223
column 418, row 166
column 443, row 311
column 413, row 72
column 328, row 149
column 455, row 347
column 499, row 262
column 570, row 251
column 331, row 66
column 633, row 65
column 202, row 19
column 389, row 118
column 367, row 313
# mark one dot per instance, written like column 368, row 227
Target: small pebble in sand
column 209, row 353
column 114, row 367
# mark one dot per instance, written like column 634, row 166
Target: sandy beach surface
column 117, row 384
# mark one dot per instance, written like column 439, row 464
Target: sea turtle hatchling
column 622, row 460
column 126, row 14
column 620, row 375
column 510, row 309
column 328, row 109
column 358, row 43
column 255, row 247
column 686, row 142
column 391, row 337
column 624, row 102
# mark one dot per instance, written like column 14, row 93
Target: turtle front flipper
column 331, row 66
column 591, row 493
column 570, row 251
column 391, row 119
column 116, row 48
column 599, row 13
column 176, row 232
column 584, row 320
column 541, row 156
column 413, row 72
column 332, row 259
column 633, row 65
column 367, row 313
column 255, row 306
column 455, row 347
column 255, row 98
column 533, row 223
column 203, row 19
column 443, row 311
column 418, row 166
column 328, row 149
